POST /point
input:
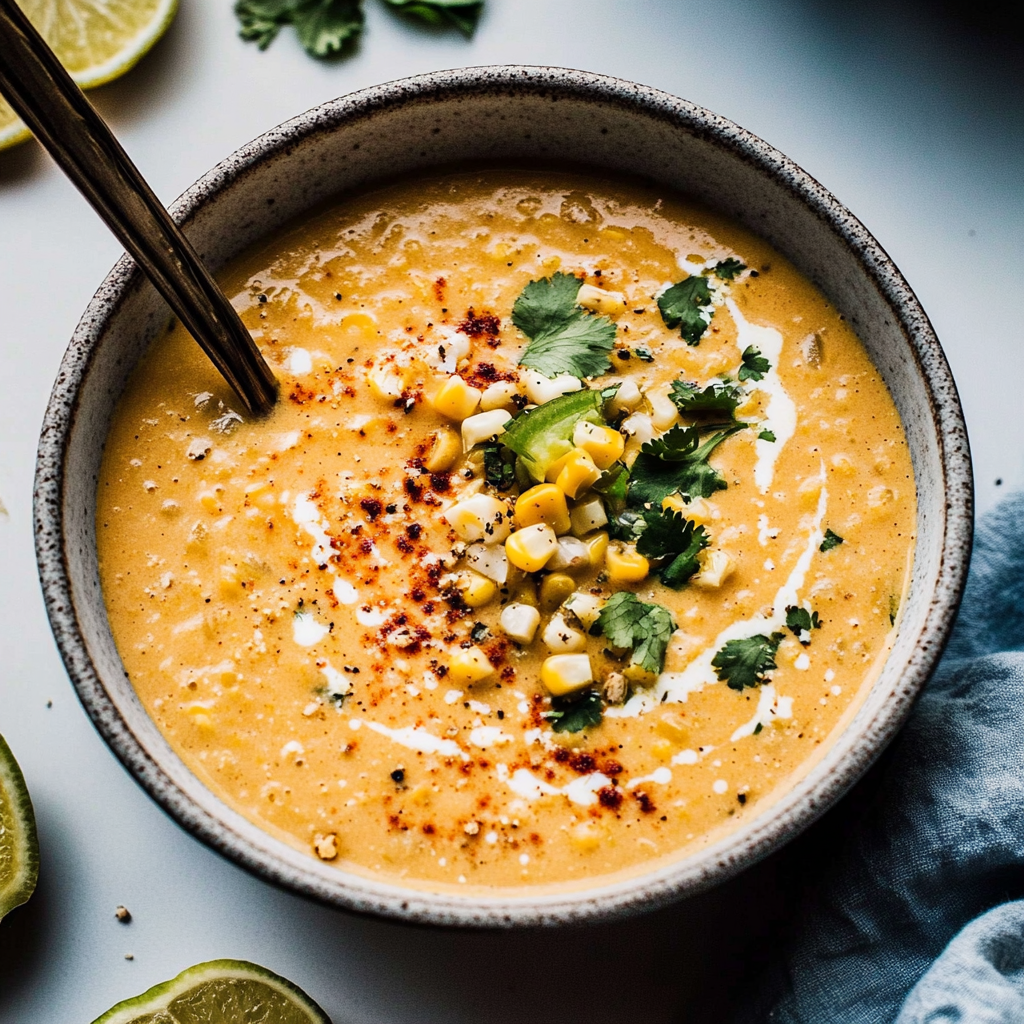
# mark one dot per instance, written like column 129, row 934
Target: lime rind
column 19, row 848
column 169, row 1001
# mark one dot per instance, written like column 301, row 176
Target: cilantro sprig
column 748, row 661
column 719, row 398
column 800, row 622
column 326, row 27
column 830, row 541
column 754, row 365
column 564, row 338
column 687, row 305
column 728, row 269
column 633, row 624
column 668, row 534
column 678, row 462
column 575, row 715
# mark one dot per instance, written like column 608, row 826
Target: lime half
column 19, row 851
column 220, row 992
column 96, row 40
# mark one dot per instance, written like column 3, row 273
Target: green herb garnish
column 678, row 462
column 718, row 398
column 766, row 435
column 832, row 540
column 498, row 472
column 686, row 305
column 543, row 435
column 728, row 269
column 463, row 14
column 747, row 662
column 644, row 628
column 644, row 355
column 754, row 366
column 564, row 337
column 324, row 27
column 670, row 535
column 569, row 715
column 800, row 622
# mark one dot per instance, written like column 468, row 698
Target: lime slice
column 19, row 851
column 219, row 992
column 96, row 40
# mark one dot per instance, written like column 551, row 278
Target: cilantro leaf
column 800, row 622
column 766, row 435
column 755, row 366
column 747, row 662
column 728, row 269
column 323, row 26
column 718, row 397
column 627, row 526
column 644, row 355
column 575, row 715
column 497, row 471
column 644, row 628
column 613, row 484
column 832, row 540
column 564, row 337
column 676, row 461
column 463, row 14
column 669, row 534
column 686, row 305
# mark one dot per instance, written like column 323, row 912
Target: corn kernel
column 566, row 673
column 715, row 567
column 530, row 548
column 261, row 495
column 662, row 749
column 229, row 584
column 588, row 516
column 597, row 546
column 586, row 607
column 627, row 397
column 599, row 300
column 625, row 564
column 572, row 553
column 446, row 447
column 638, row 674
column 387, row 382
column 554, row 589
column 673, row 503
column 576, row 472
column 562, row 638
column 664, row 413
column 499, row 395
column 520, row 622
column 544, row 503
column 673, row 727
column 476, row 590
column 489, row 560
column 360, row 325
column 810, row 491
column 457, row 400
column 483, row 426
column 469, row 665
column 605, row 445
column 480, row 517
column 210, row 502
column 541, row 389
column 586, row 836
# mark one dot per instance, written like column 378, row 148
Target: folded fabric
column 928, row 844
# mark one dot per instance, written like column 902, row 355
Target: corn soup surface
column 458, row 620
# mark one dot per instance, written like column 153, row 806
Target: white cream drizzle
column 307, row 516
column 677, row 686
column 488, row 736
column 582, row 791
column 780, row 414
column 662, row 776
column 306, row 630
column 415, row 737
column 769, row 707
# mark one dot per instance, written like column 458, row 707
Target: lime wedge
column 19, row 851
column 219, row 992
column 96, row 40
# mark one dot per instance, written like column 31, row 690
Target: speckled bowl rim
column 819, row 789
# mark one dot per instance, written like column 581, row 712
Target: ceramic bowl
column 524, row 115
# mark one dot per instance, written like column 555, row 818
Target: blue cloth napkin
column 912, row 911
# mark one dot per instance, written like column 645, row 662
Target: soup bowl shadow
column 519, row 115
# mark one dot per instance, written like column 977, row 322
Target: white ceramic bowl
column 524, row 115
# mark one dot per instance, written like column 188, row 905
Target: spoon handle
column 43, row 94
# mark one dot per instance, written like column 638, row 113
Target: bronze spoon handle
column 64, row 121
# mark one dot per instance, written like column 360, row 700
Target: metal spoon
column 42, row 93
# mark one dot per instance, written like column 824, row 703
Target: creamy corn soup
column 580, row 527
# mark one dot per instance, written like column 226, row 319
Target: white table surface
column 916, row 126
